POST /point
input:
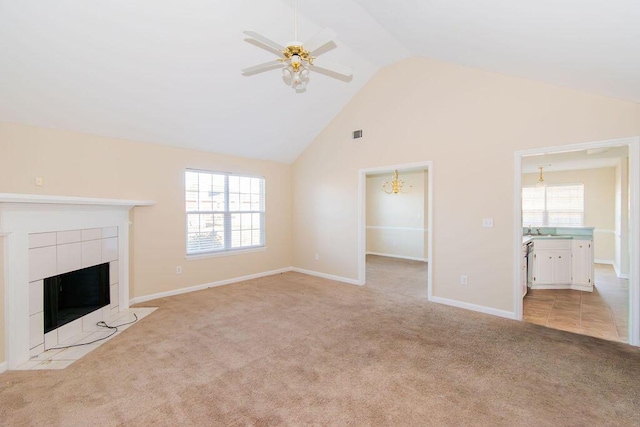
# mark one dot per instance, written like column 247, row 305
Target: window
column 225, row 212
column 553, row 206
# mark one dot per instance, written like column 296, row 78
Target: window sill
column 205, row 255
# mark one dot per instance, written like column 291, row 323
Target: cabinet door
column 582, row 262
column 543, row 268
column 562, row 267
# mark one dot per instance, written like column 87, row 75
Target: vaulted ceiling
column 168, row 71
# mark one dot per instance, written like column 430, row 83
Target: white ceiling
column 574, row 160
column 168, row 71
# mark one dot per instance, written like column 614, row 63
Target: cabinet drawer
column 552, row 244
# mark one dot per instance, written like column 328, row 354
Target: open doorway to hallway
column 395, row 230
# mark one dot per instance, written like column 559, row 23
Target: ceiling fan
column 297, row 59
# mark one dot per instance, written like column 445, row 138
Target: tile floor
column 61, row 358
column 602, row 313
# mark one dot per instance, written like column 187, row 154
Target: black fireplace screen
column 70, row 296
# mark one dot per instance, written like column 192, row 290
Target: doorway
column 612, row 211
column 394, row 229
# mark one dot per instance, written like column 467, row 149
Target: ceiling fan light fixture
column 287, row 75
column 300, row 81
column 297, row 79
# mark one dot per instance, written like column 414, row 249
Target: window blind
column 553, row 206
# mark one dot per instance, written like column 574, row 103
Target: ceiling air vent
column 357, row 134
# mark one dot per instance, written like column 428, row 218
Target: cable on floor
column 101, row 324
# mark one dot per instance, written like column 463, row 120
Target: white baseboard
column 326, row 276
column 617, row 271
column 585, row 288
column 615, row 267
column 474, row 307
column 3, row 367
column 399, row 256
column 146, row 298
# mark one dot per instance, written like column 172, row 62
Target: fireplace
column 72, row 295
column 45, row 236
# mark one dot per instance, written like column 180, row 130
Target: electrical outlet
column 464, row 280
column 179, row 269
column 317, row 257
column 487, row 222
column 39, row 181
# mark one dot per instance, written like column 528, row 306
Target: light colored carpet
column 292, row 349
column 397, row 276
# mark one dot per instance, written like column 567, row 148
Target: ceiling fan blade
column 331, row 69
column 324, row 49
column 265, row 66
column 319, row 39
column 263, row 46
column 265, row 40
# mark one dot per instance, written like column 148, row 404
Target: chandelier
column 395, row 186
column 540, row 182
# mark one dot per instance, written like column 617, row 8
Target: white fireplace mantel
column 24, row 214
column 69, row 200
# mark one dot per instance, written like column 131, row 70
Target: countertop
column 526, row 239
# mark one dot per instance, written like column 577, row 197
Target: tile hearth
column 61, row 358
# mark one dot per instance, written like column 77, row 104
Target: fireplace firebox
column 69, row 296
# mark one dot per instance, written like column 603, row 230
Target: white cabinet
column 543, row 267
column 582, row 267
column 552, row 267
column 562, row 264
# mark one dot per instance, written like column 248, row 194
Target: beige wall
column 2, row 348
column 468, row 123
column 599, row 203
column 74, row 164
column 396, row 222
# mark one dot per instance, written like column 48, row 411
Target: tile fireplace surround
column 49, row 235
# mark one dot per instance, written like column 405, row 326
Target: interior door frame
column 634, row 221
column 362, row 208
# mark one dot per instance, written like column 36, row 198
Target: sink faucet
column 528, row 233
column 538, row 231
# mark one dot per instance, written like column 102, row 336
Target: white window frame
column 227, row 248
column 545, row 212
